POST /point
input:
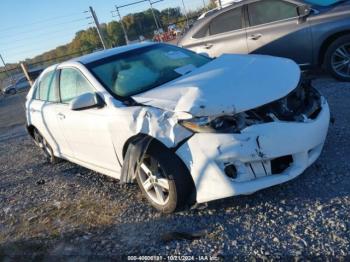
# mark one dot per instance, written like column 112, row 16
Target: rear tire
column 337, row 58
column 164, row 172
column 41, row 142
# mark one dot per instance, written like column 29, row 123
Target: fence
column 10, row 75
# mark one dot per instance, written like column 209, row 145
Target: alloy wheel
column 153, row 181
column 341, row 60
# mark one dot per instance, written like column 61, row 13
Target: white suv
column 188, row 128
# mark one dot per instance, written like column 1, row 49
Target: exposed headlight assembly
column 300, row 105
column 222, row 124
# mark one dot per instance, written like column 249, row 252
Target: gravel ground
column 69, row 211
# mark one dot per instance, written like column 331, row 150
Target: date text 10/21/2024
column 173, row 258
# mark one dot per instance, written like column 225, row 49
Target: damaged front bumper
column 262, row 155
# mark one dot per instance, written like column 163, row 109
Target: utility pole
column 122, row 24
column 204, row 5
column 220, row 5
column 8, row 74
column 94, row 16
column 154, row 16
column 25, row 71
column 183, row 3
column 138, row 2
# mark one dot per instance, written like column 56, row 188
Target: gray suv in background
column 313, row 36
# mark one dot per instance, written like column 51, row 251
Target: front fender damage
column 133, row 158
column 149, row 124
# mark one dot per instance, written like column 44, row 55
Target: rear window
column 202, row 32
column 226, row 22
column 45, row 89
column 268, row 11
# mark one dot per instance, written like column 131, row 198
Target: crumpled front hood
column 228, row 85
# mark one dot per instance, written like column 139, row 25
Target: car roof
column 206, row 15
column 86, row 59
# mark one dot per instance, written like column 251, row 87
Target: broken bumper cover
column 262, row 155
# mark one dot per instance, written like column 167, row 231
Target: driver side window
column 73, row 84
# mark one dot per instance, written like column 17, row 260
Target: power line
column 44, row 35
column 49, row 60
column 133, row 3
column 39, row 22
column 50, row 25
column 30, row 32
column 41, row 50
column 15, row 48
column 32, row 50
column 64, row 56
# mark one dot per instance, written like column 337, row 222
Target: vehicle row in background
column 22, row 84
column 172, row 33
column 314, row 36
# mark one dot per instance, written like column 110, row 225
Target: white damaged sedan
column 187, row 128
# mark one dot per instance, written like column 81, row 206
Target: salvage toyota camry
column 188, row 128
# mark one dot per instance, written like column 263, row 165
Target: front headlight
column 222, row 124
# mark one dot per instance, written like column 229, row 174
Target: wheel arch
column 156, row 142
column 327, row 42
column 30, row 129
column 130, row 140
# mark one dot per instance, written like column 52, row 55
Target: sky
column 31, row 27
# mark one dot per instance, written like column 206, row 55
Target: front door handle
column 255, row 36
column 61, row 116
column 208, row 46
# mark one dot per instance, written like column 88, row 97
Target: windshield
column 142, row 69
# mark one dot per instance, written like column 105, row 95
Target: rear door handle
column 255, row 36
column 208, row 46
column 61, row 116
column 34, row 111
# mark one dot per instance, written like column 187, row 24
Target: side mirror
column 304, row 10
column 86, row 101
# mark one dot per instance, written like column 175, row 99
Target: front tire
column 337, row 58
column 164, row 180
